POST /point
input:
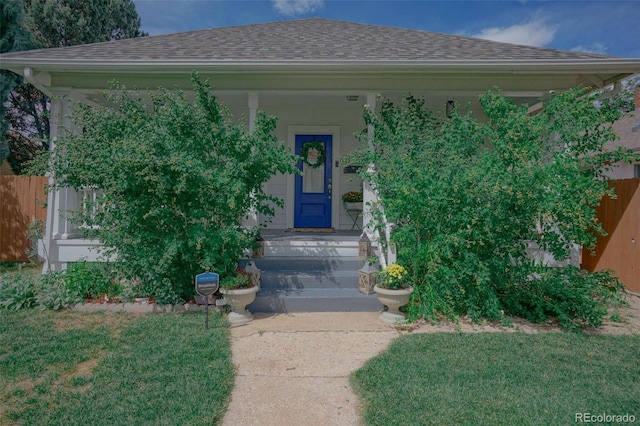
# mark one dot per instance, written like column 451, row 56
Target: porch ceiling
column 328, row 88
column 435, row 99
column 372, row 78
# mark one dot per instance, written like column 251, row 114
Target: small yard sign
column 207, row 283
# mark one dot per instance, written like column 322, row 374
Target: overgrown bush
column 17, row 291
column 571, row 295
column 176, row 178
column 26, row 290
column 53, row 293
column 91, row 280
column 465, row 196
column 58, row 290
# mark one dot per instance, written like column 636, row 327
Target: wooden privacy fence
column 620, row 249
column 21, row 199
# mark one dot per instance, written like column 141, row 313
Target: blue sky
column 607, row 27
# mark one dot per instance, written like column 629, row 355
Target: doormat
column 312, row 230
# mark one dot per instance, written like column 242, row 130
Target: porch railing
column 90, row 205
column 381, row 230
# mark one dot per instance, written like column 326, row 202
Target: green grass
column 500, row 379
column 75, row 368
column 20, row 267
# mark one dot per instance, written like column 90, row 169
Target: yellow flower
column 396, row 271
column 392, row 275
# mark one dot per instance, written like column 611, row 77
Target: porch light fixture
column 364, row 246
column 352, row 98
column 449, row 108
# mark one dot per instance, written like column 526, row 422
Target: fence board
column 21, row 198
column 620, row 249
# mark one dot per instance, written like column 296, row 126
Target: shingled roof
column 301, row 41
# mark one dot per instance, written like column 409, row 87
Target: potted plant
column 238, row 291
column 352, row 200
column 393, row 291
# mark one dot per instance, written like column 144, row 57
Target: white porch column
column 253, row 111
column 56, row 226
column 52, row 196
column 251, row 221
column 368, row 196
column 68, row 198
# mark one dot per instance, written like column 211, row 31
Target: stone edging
column 141, row 307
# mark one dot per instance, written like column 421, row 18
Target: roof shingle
column 302, row 40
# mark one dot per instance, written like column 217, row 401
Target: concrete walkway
column 293, row 369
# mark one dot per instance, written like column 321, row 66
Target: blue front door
column 313, row 186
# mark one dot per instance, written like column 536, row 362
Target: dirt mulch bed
column 627, row 321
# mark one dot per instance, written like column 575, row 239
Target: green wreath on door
column 313, row 146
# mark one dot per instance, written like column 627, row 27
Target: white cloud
column 534, row 33
column 595, row 47
column 297, row 7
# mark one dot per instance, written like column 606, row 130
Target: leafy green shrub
column 176, row 180
column 571, row 295
column 465, row 195
column 17, row 291
column 60, row 289
column 53, row 293
column 49, row 291
column 90, row 280
column 162, row 292
column 240, row 279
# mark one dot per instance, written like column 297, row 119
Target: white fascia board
column 620, row 65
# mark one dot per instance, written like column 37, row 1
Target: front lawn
column 501, row 378
column 72, row 368
column 19, row 267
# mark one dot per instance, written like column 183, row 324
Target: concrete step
column 315, row 300
column 306, row 263
column 311, row 274
column 317, row 248
column 293, row 280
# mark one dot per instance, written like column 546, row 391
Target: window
column 636, row 170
